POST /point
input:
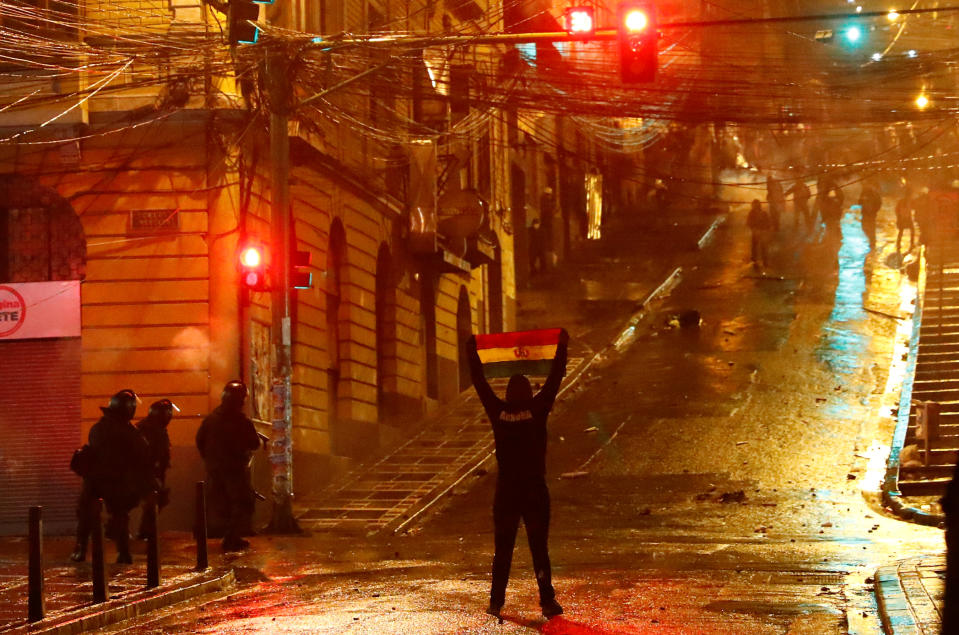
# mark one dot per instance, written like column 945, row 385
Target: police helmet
column 123, row 403
column 234, row 394
column 163, row 409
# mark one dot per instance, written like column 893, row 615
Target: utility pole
column 275, row 79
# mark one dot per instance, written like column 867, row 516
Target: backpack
column 81, row 463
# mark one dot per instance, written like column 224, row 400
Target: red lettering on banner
column 13, row 310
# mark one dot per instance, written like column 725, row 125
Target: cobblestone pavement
column 910, row 595
column 69, row 587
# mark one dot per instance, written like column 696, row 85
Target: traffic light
column 299, row 278
column 638, row 42
column 241, row 12
column 252, row 264
column 578, row 21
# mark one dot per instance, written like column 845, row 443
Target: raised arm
column 483, row 389
column 556, row 373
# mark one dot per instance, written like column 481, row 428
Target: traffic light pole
column 277, row 83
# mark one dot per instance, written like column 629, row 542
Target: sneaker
column 494, row 609
column 551, row 609
column 79, row 554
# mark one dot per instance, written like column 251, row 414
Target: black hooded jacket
column 519, row 425
column 227, row 439
column 154, row 430
column 121, row 470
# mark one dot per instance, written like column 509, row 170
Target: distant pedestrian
column 226, row 440
column 519, row 432
column 950, row 601
column 153, row 427
column 801, row 210
column 824, row 183
column 760, row 227
column 870, row 202
column 537, row 250
column 831, row 207
column 119, row 473
column 776, row 200
column 904, row 219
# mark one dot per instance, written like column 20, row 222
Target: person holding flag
column 519, row 431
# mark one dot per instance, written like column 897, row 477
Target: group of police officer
column 124, row 464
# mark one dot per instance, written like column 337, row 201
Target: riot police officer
column 119, row 473
column 153, row 427
column 226, row 441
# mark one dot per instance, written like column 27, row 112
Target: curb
column 891, row 497
column 625, row 338
column 119, row 609
column 894, row 611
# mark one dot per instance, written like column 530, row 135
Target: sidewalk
column 68, row 589
column 600, row 305
column 909, row 595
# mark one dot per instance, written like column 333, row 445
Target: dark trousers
column 84, row 514
column 869, row 228
column 117, row 527
column 529, row 502
column 231, row 501
column 759, row 251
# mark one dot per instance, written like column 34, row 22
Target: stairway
column 937, row 379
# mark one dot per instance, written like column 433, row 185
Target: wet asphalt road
column 713, row 480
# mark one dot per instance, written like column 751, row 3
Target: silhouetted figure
column 870, row 201
column 760, row 226
column 801, row 210
column 950, row 601
column 153, row 427
column 831, row 208
column 226, row 440
column 904, row 219
column 776, row 200
column 119, row 473
column 537, row 248
column 519, row 430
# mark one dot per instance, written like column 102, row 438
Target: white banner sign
column 39, row 309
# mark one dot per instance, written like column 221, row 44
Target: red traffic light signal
column 638, row 42
column 579, row 21
column 252, row 265
column 635, row 20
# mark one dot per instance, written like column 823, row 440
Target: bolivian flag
column 519, row 352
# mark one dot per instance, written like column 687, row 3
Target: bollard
column 202, row 559
column 35, row 580
column 153, row 542
column 100, row 591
